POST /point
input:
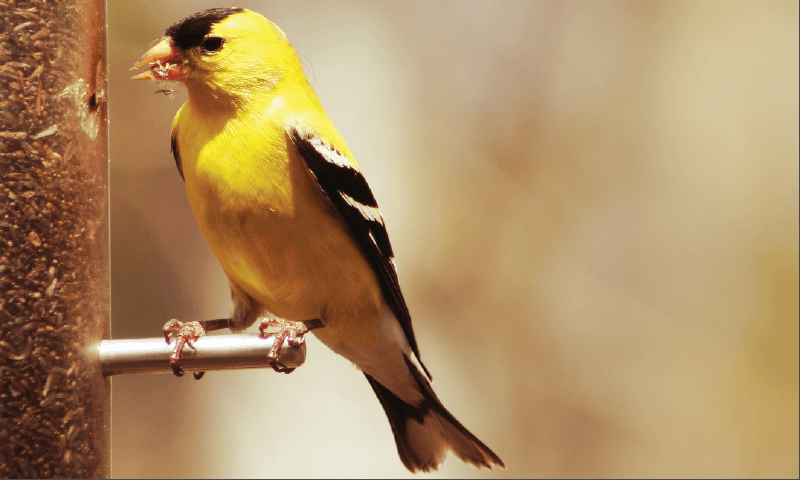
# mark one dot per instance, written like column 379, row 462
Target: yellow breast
column 266, row 220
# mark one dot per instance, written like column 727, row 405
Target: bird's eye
column 211, row 44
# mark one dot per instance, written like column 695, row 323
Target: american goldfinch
column 291, row 219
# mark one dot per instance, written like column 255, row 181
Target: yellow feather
column 255, row 201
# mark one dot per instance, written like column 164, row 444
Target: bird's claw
column 187, row 334
column 295, row 331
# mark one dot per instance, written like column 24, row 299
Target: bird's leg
column 295, row 331
column 187, row 334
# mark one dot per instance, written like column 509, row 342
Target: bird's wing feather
column 175, row 153
column 350, row 194
column 174, row 143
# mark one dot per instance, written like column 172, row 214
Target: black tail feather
column 425, row 433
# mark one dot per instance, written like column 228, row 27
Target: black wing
column 350, row 194
column 174, row 149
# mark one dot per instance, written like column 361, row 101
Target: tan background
column 595, row 212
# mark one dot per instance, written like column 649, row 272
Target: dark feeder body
column 54, row 270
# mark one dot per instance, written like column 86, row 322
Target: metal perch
column 214, row 352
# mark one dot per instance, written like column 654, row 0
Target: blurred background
column 594, row 207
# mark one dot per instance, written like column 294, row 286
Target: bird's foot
column 187, row 334
column 295, row 331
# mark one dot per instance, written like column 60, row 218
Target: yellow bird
column 291, row 219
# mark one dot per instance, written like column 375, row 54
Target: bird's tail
column 424, row 433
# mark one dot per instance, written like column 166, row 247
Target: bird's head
column 226, row 55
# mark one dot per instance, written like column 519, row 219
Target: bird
column 290, row 217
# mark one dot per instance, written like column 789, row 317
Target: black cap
column 191, row 31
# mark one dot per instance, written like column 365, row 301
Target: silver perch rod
column 214, row 352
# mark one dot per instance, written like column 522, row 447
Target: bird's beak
column 165, row 63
